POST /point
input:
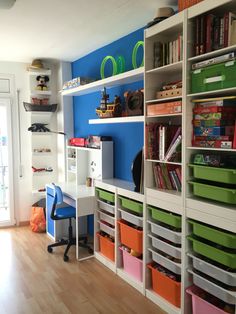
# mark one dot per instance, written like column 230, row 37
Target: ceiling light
column 6, row 4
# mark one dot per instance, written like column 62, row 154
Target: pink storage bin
column 132, row 265
column 200, row 305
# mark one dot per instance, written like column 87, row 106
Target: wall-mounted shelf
column 117, row 120
column 119, row 79
column 41, row 92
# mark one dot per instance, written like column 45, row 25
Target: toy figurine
column 42, row 82
column 109, row 110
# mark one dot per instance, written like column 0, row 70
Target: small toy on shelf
column 109, row 110
column 42, row 82
column 172, row 89
column 134, row 102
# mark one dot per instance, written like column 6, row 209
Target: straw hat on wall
column 162, row 14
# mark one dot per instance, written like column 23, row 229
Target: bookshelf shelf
column 169, row 68
column 164, row 115
column 212, row 149
column 212, row 54
column 165, row 162
column 163, row 99
column 223, row 91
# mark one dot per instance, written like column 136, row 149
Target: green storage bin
column 215, row 254
column 213, row 77
column 131, row 205
column 213, row 192
column 165, row 217
column 223, row 238
column 106, row 196
column 214, row 174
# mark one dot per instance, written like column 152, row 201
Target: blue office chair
column 68, row 212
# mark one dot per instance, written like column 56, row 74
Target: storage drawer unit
column 132, row 265
column 210, row 233
column 214, row 174
column 105, row 217
column 106, row 207
column 166, row 287
column 107, row 247
column 165, row 233
column 108, row 229
column 131, row 237
column 165, row 262
column 131, row 205
column 165, row 217
column 165, row 247
column 136, row 220
column 105, row 195
column 214, row 192
column 213, row 77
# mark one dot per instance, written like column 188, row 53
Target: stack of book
column 166, row 53
column 214, row 122
column 214, row 32
column 167, row 177
column 163, row 142
column 184, row 4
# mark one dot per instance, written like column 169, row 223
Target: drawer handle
column 214, row 79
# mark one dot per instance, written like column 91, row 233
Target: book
column 221, row 42
column 221, row 130
column 216, row 36
column 226, row 29
column 215, row 109
column 202, row 47
column 178, row 172
column 164, row 108
column 213, row 138
column 231, row 29
column 234, row 141
column 177, row 182
column 197, row 36
column 209, row 32
column 211, row 123
column 173, row 148
column 213, row 144
column 216, row 60
column 213, row 116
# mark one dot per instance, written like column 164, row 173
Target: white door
column 6, row 165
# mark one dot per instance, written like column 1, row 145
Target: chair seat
column 65, row 212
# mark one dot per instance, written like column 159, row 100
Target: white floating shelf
column 41, row 92
column 119, row 79
column 165, row 162
column 42, row 154
column 164, row 99
column 169, row 68
column 82, row 148
column 40, row 72
column 213, row 149
column 224, row 91
column 213, row 54
column 117, row 120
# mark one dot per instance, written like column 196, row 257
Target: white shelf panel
column 105, row 261
column 162, row 303
column 43, row 173
column 212, row 54
column 130, row 280
column 170, row 24
column 119, row 79
column 40, row 72
column 165, row 162
column 41, row 133
column 205, row 6
column 42, row 154
column 163, row 99
column 213, row 149
column 71, row 158
column 117, row 120
column 168, row 200
column 164, row 115
column 169, row 68
column 224, row 91
column 83, row 148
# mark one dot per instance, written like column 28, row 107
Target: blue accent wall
column 127, row 137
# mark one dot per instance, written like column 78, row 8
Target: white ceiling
column 68, row 29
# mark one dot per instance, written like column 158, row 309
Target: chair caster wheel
column 49, row 249
column 66, row 258
column 90, row 251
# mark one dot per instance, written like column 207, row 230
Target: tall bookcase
column 178, row 207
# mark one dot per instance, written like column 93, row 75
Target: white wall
column 22, row 185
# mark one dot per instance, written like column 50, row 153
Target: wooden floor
column 34, row 281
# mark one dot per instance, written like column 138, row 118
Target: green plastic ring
column 120, row 61
column 134, row 54
column 104, row 61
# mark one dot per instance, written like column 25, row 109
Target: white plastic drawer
column 107, row 207
column 165, row 247
column 138, row 221
column 214, row 271
column 165, row 262
column 165, row 233
column 106, row 217
column 214, row 289
column 107, row 229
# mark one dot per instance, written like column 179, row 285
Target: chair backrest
column 57, row 200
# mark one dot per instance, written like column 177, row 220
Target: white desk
column 82, row 198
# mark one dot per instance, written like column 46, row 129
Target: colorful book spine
column 212, row 123
column 173, row 148
column 213, row 144
column 227, row 130
column 209, row 32
column 214, row 109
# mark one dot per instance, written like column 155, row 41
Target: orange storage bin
column 166, row 287
column 131, row 237
column 107, row 247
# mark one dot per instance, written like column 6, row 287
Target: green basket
column 165, row 217
column 215, row 254
column 214, row 174
column 106, row 196
column 213, row 192
column 223, row 238
column 213, row 77
column 131, row 205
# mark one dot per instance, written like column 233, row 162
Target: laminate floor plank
column 33, row 281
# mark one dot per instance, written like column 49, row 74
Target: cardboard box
column 164, row 108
